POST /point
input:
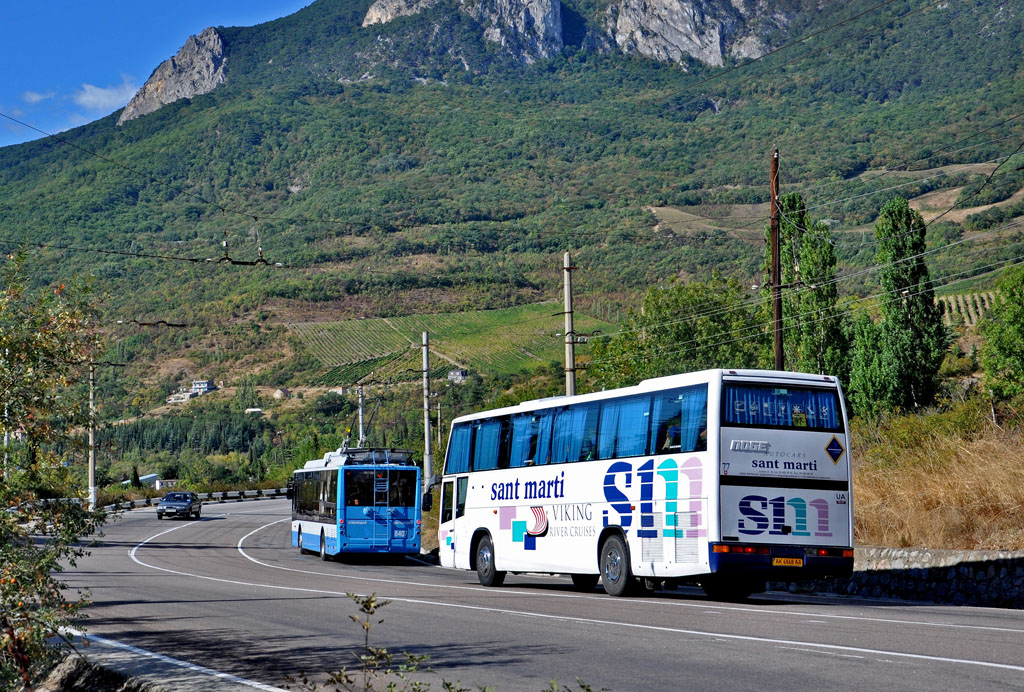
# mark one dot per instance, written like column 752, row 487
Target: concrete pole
column 570, row 335
column 428, row 458
column 92, row 436
column 7, row 425
column 362, row 435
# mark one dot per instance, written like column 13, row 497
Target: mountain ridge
column 708, row 31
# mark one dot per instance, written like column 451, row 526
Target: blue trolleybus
column 357, row 501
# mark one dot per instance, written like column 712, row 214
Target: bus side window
column 487, row 444
column 447, row 500
column 680, row 420
column 460, row 496
column 666, row 431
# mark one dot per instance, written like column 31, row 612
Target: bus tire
column 302, row 551
column 616, row 576
column 485, row 570
column 585, row 582
column 323, row 548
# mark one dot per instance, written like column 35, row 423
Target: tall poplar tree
column 897, row 366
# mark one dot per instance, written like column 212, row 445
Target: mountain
column 411, row 157
column 476, row 36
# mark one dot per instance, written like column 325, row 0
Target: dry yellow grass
column 950, row 491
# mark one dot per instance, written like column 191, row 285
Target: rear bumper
column 777, row 564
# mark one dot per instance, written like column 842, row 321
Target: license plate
column 400, row 533
column 787, row 562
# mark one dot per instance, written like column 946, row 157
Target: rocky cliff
column 706, row 30
column 527, row 29
column 197, row 69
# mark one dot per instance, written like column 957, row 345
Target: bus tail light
column 830, row 552
column 744, row 549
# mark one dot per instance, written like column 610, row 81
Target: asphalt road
column 229, row 593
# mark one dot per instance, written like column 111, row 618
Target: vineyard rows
column 487, row 341
column 340, row 343
column 967, row 308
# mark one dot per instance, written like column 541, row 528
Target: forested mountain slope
column 417, row 166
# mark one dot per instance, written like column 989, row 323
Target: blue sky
column 69, row 62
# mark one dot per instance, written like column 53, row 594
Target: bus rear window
column 767, row 406
column 402, row 489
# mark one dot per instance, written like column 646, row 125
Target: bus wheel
column 485, row 571
column 323, row 548
column 302, row 550
column 616, row 577
column 585, row 582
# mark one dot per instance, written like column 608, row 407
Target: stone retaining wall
column 961, row 577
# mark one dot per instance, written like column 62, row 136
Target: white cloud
column 34, row 97
column 106, row 98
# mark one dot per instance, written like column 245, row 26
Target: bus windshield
column 401, row 487
column 784, row 407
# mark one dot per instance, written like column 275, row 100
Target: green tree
column 44, row 346
column 897, row 361
column 1002, row 354
column 681, row 328
column 815, row 335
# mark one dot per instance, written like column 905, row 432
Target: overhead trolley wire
column 763, row 329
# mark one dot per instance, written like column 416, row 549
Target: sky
column 64, row 63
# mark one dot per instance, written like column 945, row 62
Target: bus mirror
column 428, row 502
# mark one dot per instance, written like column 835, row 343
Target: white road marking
column 815, row 651
column 674, row 604
column 173, row 661
column 567, row 618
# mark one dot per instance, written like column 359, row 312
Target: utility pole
column 92, row 436
column 780, row 363
column 7, row 431
column 362, row 434
column 570, row 335
column 428, row 459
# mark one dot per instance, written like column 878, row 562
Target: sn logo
column 761, row 514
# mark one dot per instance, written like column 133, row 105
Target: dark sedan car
column 180, row 504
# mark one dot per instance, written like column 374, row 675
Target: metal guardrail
column 219, row 497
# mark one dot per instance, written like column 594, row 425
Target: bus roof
column 365, row 456
column 658, row 383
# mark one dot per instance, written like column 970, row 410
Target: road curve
column 229, row 593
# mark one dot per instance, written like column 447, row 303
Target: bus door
column 359, row 516
column 453, row 528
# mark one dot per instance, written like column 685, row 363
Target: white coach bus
column 726, row 478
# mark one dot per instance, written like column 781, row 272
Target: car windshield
column 176, row 497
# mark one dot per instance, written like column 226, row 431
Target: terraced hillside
column 492, row 342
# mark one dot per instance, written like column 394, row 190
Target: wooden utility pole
column 570, row 335
column 428, row 459
column 780, row 363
